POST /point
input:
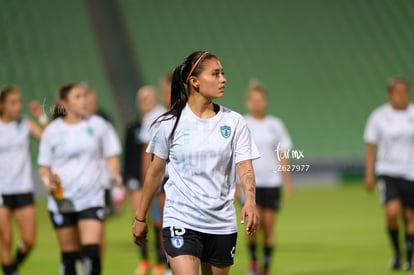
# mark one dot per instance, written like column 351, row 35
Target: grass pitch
column 322, row 230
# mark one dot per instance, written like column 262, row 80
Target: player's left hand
column 249, row 210
column 116, row 179
column 139, row 232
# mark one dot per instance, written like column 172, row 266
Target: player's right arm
column 370, row 153
column 152, row 182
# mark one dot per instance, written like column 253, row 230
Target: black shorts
column 164, row 181
column 108, row 197
column 16, row 201
column 218, row 250
column 60, row 220
column 268, row 197
column 391, row 188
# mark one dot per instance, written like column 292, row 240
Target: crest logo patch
column 177, row 241
column 225, row 131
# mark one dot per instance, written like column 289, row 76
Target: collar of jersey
column 188, row 110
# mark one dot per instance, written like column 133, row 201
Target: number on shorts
column 177, row 231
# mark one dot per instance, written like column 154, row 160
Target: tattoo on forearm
column 247, row 181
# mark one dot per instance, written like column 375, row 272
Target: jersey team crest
column 225, row 131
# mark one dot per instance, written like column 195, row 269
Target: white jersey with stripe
column 393, row 133
column 75, row 153
column 270, row 136
column 15, row 162
column 202, row 156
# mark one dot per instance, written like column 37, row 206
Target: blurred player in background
column 389, row 138
column 204, row 144
column 151, row 110
column 132, row 176
column 271, row 138
column 165, row 85
column 92, row 103
column 70, row 158
column 16, row 183
column 113, row 200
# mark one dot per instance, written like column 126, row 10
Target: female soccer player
column 271, row 137
column 151, row 110
column 16, row 184
column 389, row 138
column 70, row 159
column 204, row 144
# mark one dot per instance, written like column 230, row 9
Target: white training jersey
column 147, row 120
column 75, row 153
column 202, row 157
column 270, row 135
column 15, row 162
column 393, row 133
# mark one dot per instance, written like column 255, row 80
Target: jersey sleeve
column 111, row 145
column 284, row 139
column 159, row 143
column 244, row 147
column 145, row 135
column 372, row 133
column 44, row 157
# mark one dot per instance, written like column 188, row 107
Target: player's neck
column 71, row 118
column 399, row 107
column 201, row 107
column 7, row 119
column 258, row 116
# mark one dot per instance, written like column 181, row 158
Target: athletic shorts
column 60, row 220
column 217, row 250
column 16, row 201
column 391, row 188
column 268, row 197
column 108, row 197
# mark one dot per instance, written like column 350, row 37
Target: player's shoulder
column 382, row 110
column 271, row 119
column 164, row 121
column 159, row 109
column 231, row 114
column 410, row 107
column 268, row 120
column 54, row 126
column 55, row 123
column 156, row 112
column 97, row 121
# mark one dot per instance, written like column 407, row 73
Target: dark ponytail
column 180, row 89
column 63, row 92
column 4, row 93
